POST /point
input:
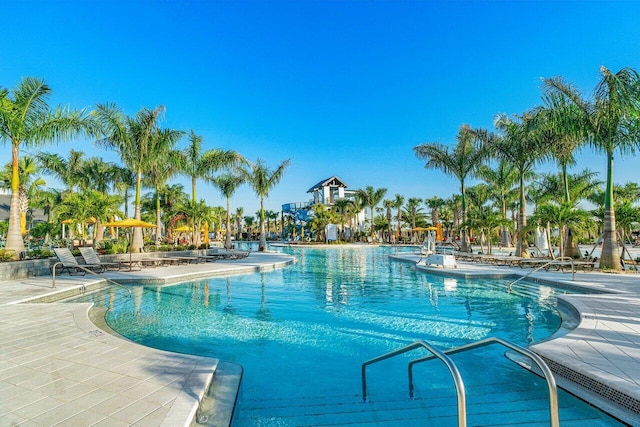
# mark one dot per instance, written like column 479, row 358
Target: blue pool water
column 301, row 333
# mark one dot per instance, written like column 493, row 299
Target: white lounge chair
column 70, row 263
column 91, row 257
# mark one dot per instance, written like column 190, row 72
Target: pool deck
column 57, row 368
column 602, row 354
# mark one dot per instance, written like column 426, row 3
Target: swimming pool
column 301, row 334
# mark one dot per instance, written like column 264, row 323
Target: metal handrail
column 453, row 369
column 546, row 372
column 53, row 284
column 552, row 262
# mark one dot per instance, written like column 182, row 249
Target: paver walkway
column 58, row 368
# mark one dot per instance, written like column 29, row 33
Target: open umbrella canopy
column 183, row 228
column 424, row 229
column 129, row 222
column 91, row 220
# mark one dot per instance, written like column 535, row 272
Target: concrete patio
column 57, row 368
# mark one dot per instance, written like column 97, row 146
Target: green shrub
column 6, row 255
column 39, row 254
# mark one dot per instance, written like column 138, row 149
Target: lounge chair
column 70, row 263
column 91, row 257
column 235, row 254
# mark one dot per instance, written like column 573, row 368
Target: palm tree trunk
column 99, row 232
column 522, row 221
column 158, row 219
column 14, row 236
column 227, row 239
column 262, row 245
column 137, row 242
column 610, row 257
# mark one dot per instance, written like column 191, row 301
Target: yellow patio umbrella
column 424, row 229
column 130, row 223
column 182, row 229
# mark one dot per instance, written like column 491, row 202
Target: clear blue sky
column 343, row 88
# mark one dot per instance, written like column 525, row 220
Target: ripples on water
column 312, row 324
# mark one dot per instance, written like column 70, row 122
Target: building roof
column 5, row 203
column 334, row 181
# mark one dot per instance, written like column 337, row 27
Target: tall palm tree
column 99, row 176
column 398, row 201
column 228, row 184
column 412, row 209
column 388, row 205
column 165, row 163
column 461, row 162
column 134, row 140
column 198, row 164
column 26, row 119
column 609, row 123
column 341, row 207
column 520, row 144
column 370, row 197
column 249, row 221
column 435, row 203
column 69, row 171
column 239, row 217
column 262, row 180
column 501, row 182
column 30, row 185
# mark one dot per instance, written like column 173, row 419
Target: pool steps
column 216, row 407
column 435, row 407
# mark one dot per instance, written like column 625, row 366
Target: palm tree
column 262, row 180
column 248, row 221
column 124, row 179
column 397, row 203
column 564, row 214
column 609, row 124
column 435, row 203
column 341, row 207
column 134, row 138
column 388, row 205
column 239, row 217
column 228, row 184
column 27, row 119
column 501, row 182
column 69, row 171
column 29, row 185
column 412, row 210
column 521, row 145
column 370, row 197
column 198, row 164
column 99, row 176
column 163, row 165
column 461, row 162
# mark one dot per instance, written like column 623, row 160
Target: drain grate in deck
column 595, row 386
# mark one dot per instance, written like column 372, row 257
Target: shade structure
column 130, row 223
column 424, row 229
column 182, row 229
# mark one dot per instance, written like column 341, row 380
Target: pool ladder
column 443, row 356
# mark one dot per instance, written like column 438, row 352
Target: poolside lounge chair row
column 93, row 262
column 544, row 263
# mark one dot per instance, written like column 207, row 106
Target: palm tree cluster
column 96, row 189
column 506, row 159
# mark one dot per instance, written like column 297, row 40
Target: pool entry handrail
column 556, row 261
column 453, row 369
column 544, row 368
column 87, row 270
